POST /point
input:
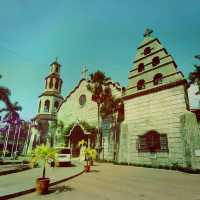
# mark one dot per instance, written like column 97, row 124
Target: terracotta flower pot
column 87, row 168
column 42, row 185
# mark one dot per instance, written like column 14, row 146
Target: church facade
column 158, row 127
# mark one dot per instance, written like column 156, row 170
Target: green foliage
column 44, row 154
column 99, row 77
column 194, row 76
column 102, row 95
column 84, row 124
column 4, row 96
column 68, row 129
column 90, row 154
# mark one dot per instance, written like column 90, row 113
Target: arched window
column 152, row 141
column 141, row 84
column 56, row 104
column 51, row 83
column 141, row 67
column 157, row 79
column 57, row 84
column 39, row 107
column 56, row 69
column 147, row 50
column 46, row 106
column 155, row 61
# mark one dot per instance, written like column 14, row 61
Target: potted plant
column 87, row 158
column 43, row 154
column 90, row 155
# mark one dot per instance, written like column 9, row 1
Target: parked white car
column 63, row 156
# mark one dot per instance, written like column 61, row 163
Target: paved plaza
column 108, row 181
column 15, row 183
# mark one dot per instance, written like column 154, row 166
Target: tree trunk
column 98, row 124
column 44, row 171
column 98, row 133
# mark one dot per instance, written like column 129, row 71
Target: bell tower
column 48, row 104
column 51, row 98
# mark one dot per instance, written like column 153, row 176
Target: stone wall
column 158, row 111
column 71, row 111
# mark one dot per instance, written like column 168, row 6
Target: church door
column 76, row 136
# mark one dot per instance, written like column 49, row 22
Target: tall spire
column 153, row 66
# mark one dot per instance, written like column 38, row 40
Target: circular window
column 82, row 99
column 147, row 50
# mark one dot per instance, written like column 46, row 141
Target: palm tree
column 194, row 76
column 98, row 80
column 113, row 107
column 12, row 117
column 43, row 154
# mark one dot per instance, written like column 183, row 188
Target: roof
column 55, row 63
column 196, row 112
column 51, row 93
column 44, row 117
column 109, row 82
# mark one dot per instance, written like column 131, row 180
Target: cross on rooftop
column 84, row 72
column 148, row 32
column 197, row 57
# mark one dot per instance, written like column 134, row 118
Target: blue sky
column 103, row 34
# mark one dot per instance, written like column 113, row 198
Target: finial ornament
column 56, row 59
column 84, row 72
column 148, row 32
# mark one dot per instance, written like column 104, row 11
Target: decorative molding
column 51, row 93
column 49, row 117
column 156, row 89
column 52, row 75
column 155, row 52
column 153, row 68
column 149, row 42
column 179, row 72
column 136, row 69
column 83, row 129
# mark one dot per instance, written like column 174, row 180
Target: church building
column 158, row 128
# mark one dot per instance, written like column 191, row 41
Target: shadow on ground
column 59, row 189
column 95, row 171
